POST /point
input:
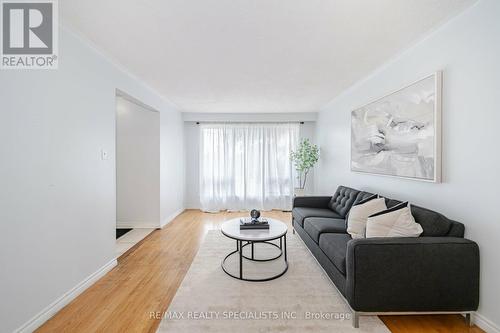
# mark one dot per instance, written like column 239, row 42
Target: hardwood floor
column 148, row 275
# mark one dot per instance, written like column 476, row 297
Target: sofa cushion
column 433, row 223
column 457, row 229
column 334, row 245
column 300, row 213
column 393, row 222
column 362, row 196
column 315, row 226
column 358, row 215
column 343, row 200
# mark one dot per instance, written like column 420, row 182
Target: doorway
column 137, row 171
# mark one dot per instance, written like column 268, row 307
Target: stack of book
column 248, row 223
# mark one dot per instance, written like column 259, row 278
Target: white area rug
column 302, row 300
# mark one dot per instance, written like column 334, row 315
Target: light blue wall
column 57, row 197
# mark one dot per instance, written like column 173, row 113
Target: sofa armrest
column 412, row 274
column 312, row 201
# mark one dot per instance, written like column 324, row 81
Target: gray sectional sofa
column 435, row 273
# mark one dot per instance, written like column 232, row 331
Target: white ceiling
column 254, row 55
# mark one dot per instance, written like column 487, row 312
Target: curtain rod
column 246, row 122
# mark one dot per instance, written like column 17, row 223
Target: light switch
column 104, row 155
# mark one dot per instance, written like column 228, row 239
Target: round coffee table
column 277, row 230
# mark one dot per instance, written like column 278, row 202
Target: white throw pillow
column 358, row 215
column 395, row 222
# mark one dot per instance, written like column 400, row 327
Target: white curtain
column 247, row 166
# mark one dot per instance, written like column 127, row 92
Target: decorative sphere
column 255, row 214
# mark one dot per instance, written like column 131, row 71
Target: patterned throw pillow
column 358, row 215
column 394, row 222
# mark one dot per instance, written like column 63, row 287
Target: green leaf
column 305, row 157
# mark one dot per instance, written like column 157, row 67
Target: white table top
column 276, row 229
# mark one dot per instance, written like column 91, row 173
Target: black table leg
column 284, row 240
column 239, row 250
column 241, row 260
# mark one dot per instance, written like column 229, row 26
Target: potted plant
column 304, row 158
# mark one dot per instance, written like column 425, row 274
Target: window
column 246, row 166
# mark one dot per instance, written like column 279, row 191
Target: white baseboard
column 65, row 299
column 133, row 225
column 172, row 217
column 192, row 206
column 484, row 323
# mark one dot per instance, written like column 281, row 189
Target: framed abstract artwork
column 399, row 134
